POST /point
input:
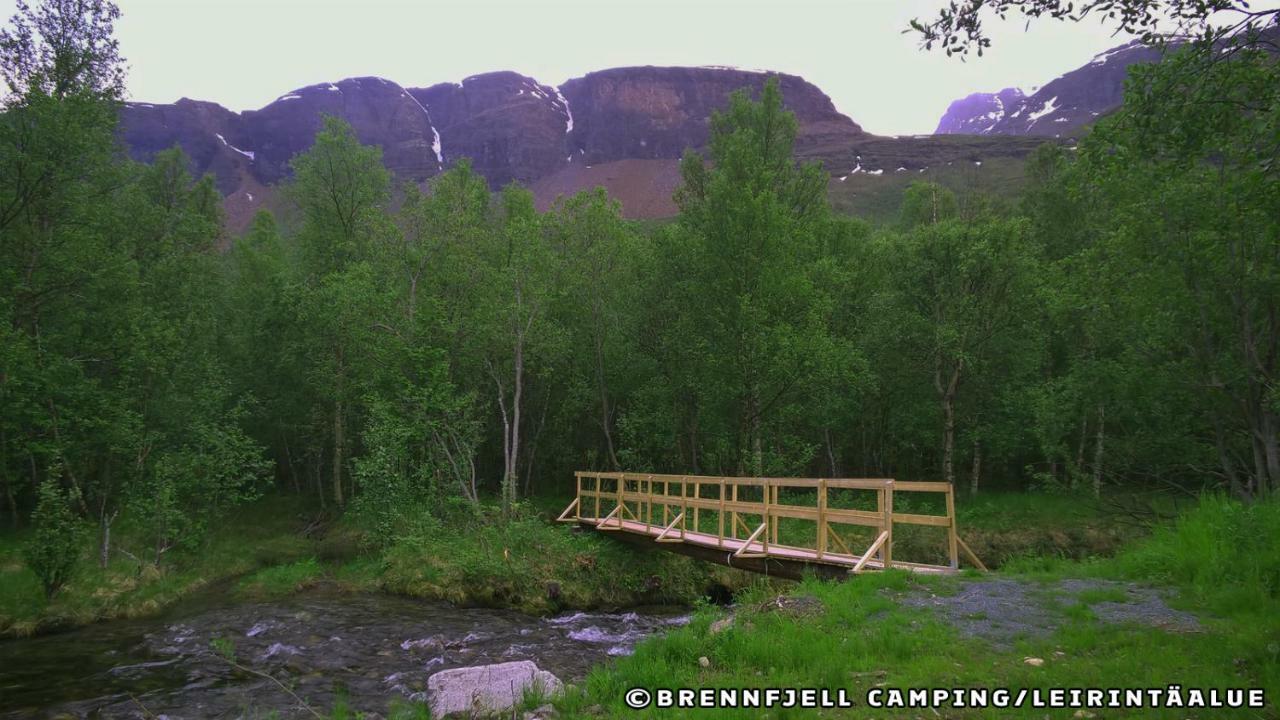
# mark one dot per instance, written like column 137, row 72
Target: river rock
column 486, row 689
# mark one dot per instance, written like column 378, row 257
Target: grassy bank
column 264, row 534
column 276, row 547
column 1220, row 561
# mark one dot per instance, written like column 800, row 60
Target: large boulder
column 486, row 689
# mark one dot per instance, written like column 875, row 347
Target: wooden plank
column 564, row 516
column 857, row 484
column 733, row 524
column 970, row 554
column 720, row 516
column 697, row 493
column 855, row 517
column 840, row 541
column 742, row 551
column 668, row 528
column 951, row 529
column 917, row 486
column 822, row 518
column 773, row 527
column 767, row 522
column 875, row 546
column 886, row 551
column 911, row 519
column 609, row 517
column 707, row 540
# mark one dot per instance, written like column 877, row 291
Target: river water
column 367, row 649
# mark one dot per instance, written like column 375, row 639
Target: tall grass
column 1225, row 552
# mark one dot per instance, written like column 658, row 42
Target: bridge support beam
column 772, row 566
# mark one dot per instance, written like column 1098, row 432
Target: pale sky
column 245, row 53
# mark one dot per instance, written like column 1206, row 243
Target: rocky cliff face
column 511, row 126
column 261, row 142
column 1059, row 109
column 381, row 113
column 650, row 113
column 623, row 128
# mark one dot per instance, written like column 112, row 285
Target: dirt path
column 1002, row 610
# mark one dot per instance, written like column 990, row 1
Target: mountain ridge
column 554, row 139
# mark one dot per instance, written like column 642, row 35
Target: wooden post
column 951, row 528
column 648, row 503
column 684, row 511
column 577, row 514
column 666, row 502
column 697, row 495
column 622, row 484
column 822, row 518
column 767, row 515
column 720, row 519
column 773, row 528
column 733, row 523
column 886, row 551
column 598, row 491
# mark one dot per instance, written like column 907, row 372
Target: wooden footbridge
column 777, row 526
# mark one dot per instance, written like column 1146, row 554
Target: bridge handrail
column 649, row 490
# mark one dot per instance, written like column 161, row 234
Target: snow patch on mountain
column 568, row 114
column 1049, row 106
column 246, row 153
column 436, row 145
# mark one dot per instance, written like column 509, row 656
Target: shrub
column 55, row 545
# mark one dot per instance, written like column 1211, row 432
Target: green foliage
column 191, row 487
column 281, row 580
column 54, row 547
column 1223, row 550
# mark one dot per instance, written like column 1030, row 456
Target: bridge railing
column 747, row 514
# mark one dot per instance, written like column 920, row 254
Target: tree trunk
column 516, row 403
column 1271, row 452
column 977, row 467
column 288, row 459
column 104, row 539
column 1078, row 470
column 532, row 454
column 338, row 440
column 831, row 455
column 947, row 401
column 757, row 442
column 1097, row 452
column 606, row 413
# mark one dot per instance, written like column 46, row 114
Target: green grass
column 878, row 198
column 1222, row 559
column 529, row 563
column 258, row 535
column 281, row 580
column 539, row 567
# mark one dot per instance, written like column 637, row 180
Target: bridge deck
column 782, row 552
column 674, row 510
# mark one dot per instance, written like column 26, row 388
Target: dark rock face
column 657, row 112
column 979, row 113
column 381, row 113
column 623, row 128
column 510, row 126
column 199, row 128
column 262, row 142
column 1059, row 109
